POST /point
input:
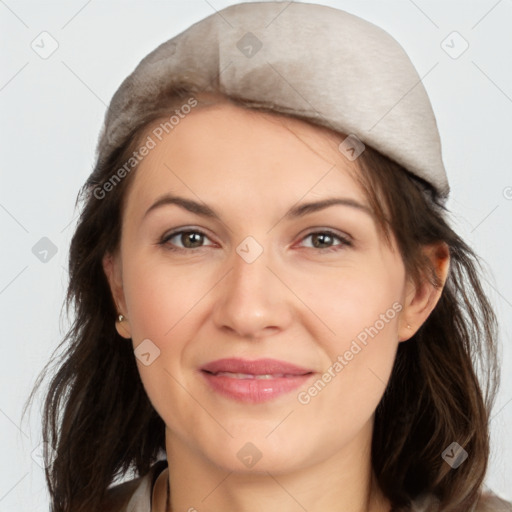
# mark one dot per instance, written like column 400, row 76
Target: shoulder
column 119, row 495
column 490, row 502
column 122, row 497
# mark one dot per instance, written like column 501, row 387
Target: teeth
column 250, row 376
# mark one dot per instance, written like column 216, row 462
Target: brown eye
column 323, row 239
column 326, row 240
column 189, row 239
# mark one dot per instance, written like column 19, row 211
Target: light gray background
column 52, row 110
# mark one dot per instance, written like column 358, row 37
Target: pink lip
column 256, row 367
column 252, row 390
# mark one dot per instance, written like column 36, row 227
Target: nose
column 253, row 300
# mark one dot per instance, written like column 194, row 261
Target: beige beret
column 318, row 62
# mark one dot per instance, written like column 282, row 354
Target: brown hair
column 102, row 425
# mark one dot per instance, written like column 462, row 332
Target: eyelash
column 345, row 242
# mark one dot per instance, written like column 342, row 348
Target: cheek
column 161, row 298
column 361, row 307
column 161, row 302
column 348, row 300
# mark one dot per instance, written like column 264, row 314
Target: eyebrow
column 296, row 211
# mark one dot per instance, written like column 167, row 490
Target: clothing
column 135, row 496
column 314, row 61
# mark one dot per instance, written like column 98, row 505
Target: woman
column 315, row 350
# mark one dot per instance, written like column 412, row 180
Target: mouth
column 254, row 381
column 256, row 368
column 264, row 376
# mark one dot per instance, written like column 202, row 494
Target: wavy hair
column 98, row 417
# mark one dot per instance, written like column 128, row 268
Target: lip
column 285, row 378
column 254, row 367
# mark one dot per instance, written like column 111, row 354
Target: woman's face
column 263, row 278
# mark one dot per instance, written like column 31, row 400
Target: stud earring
column 121, row 318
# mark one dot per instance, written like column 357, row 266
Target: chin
column 257, row 455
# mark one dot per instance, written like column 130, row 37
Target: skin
column 295, row 302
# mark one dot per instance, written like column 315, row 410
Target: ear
column 421, row 299
column 112, row 267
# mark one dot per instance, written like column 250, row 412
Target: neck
column 345, row 481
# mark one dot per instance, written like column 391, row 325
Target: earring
column 121, row 318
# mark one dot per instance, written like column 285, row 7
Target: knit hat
column 320, row 63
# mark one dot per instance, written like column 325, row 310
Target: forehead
column 223, row 150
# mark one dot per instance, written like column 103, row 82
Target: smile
column 253, row 389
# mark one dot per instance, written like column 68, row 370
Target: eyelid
column 345, row 239
column 332, row 231
column 164, row 240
